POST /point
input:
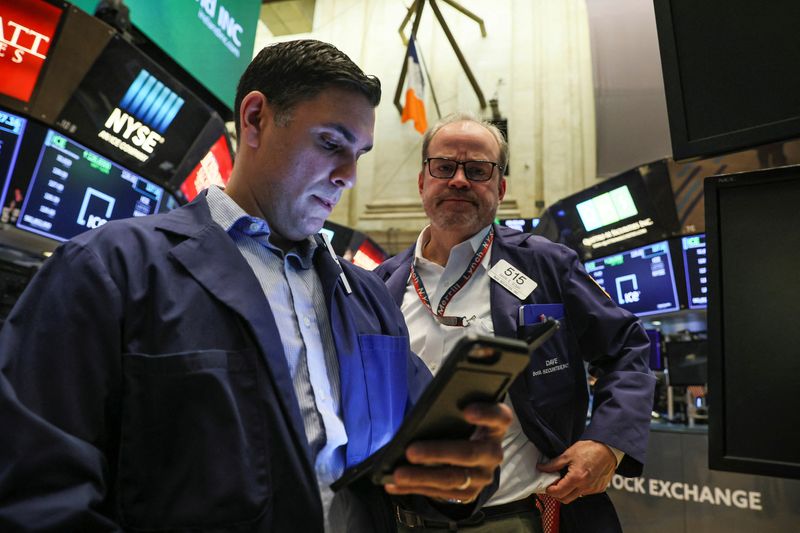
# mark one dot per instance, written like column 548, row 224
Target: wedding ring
column 466, row 483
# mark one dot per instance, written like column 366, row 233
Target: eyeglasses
column 444, row 168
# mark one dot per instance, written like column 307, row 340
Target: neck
column 245, row 200
column 439, row 244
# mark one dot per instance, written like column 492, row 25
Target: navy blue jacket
column 552, row 406
column 144, row 385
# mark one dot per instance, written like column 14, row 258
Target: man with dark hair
column 217, row 367
column 466, row 274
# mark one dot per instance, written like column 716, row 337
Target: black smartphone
column 478, row 369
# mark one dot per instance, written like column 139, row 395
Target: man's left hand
column 456, row 470
column 590, row 467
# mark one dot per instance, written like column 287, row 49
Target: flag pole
column 430, row 81
column 419, row 4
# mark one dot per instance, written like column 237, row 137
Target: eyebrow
column 347, row 134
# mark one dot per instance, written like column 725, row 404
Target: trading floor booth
column 720, row 308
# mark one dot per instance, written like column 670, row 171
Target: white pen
column 341, row 272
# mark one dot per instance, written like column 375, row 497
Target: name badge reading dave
column 512, row 279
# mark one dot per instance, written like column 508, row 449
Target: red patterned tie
column 549, row 509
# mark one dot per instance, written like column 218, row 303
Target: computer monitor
column 695, row 269
column 525, row 225
column 632, row 209
column 12, row 128
column 730, row 73
column 641, row 280
column 28, row 29
column 73, row 189
column 369, row 254
column 214, row 169
column 687, row 362
column 753, row 241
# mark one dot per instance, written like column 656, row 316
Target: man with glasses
column 466, row 274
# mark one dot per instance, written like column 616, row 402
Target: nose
column 459, row 179
column 344, row 176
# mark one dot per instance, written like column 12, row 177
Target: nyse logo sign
column 26, row 29
column 143, row 115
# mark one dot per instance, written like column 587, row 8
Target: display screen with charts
column 74, row 189
column 641, row 280
column 695, row 264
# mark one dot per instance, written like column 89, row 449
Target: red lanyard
column 477, row 259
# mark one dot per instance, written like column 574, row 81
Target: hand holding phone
column 478, row 370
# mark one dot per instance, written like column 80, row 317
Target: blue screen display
column 11, row 130
column 696, row 270
column 641, row 280
column 74, row 189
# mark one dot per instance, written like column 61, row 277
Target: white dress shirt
column 432, row 341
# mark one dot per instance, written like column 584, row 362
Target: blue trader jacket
column 552, row 405
column 144, row 386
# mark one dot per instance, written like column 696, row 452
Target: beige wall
column 535, row 60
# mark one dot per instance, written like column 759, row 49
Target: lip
column 458, row 199
column 327, row 203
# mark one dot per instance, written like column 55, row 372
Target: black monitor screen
column 130, row 109
column 632, row 209
column 74, row 189
column 641, row 280
column 753, row 237
column 11, row 129
column 687, row 362
column 695, row 266
column 730, row 73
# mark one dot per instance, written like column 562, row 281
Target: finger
column 554, row 465
column 455, row 496
column 494, row 417
column 480, row 453
column 564, row 487
column 442, row 477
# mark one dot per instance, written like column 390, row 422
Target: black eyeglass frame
column 427, row 161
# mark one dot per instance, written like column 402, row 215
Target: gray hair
column 467, row 117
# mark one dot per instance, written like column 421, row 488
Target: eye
column 476, row 172
column 445, row 167
column 328, row 144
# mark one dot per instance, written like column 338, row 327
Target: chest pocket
column 550, row 376
column 193, row 451
column 385, row 362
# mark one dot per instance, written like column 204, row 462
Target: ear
column 502, row 189
column 421, row 181
column 254, row 116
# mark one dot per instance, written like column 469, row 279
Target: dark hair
column 290, row 72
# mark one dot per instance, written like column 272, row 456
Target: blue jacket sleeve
column 59, row 363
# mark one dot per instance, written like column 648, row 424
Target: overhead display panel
column 27, row 28
column 634, row 208
column 130, row 109
column 211, row 39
